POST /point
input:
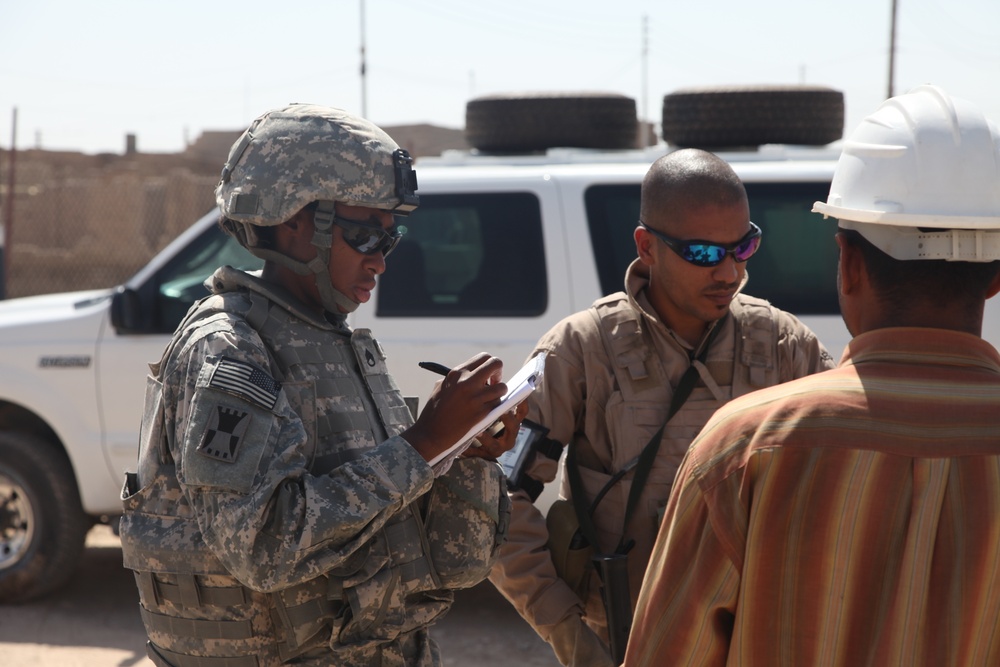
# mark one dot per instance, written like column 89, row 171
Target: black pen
column 496, row 430
column 434, row 367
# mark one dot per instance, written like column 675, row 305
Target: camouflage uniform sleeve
column 800, row 352
column 524, row 573
column 242, row 462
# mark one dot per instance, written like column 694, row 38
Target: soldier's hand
column 458, row 401
column 491, row 447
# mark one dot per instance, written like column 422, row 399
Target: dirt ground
column 95, row 623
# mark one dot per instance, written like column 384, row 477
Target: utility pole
column 645, row 80
column 364, row 82
column 892, row 52
column 8, row 217
column 645, row 66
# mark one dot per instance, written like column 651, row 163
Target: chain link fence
column 91, row 221
column 84, row 222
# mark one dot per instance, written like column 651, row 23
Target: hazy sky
column 84, row 73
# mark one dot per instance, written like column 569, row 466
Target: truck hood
column 46, row 317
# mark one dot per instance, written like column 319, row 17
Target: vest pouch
column 377, row 610
column 152, row 441
column 570, row 552
column 468, row 513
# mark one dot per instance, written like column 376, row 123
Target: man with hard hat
column 284, row 510
column 853, row 517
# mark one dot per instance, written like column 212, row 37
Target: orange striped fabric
column 847, row 518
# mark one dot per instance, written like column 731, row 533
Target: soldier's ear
column 644, row 245
column 293, row 237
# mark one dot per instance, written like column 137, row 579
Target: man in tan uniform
column 611, row 372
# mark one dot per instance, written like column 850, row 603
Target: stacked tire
column 530, row 122
column 737, row 116
column 711, row 118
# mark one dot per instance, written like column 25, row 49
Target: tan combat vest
column 638, row 407
column 338, row 383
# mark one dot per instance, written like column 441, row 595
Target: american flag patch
column 246, row 380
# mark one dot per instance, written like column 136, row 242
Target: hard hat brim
column 907, row 219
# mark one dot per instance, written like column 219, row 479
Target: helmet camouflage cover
column 295, row 155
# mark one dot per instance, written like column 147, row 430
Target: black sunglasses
column 706, row 253
column 369, row 238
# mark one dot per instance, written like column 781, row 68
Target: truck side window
column 467, row 255
column 612, row 215
column 795, row 268
column 180, row 281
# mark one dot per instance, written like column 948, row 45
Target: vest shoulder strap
column 757, row 339
column 636, row 367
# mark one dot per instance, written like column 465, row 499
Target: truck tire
column 527, row 122
column 738, row 116
column 42, row 525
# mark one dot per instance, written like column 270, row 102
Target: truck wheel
column 752, row 115
column 525, row 122
column 42, row 525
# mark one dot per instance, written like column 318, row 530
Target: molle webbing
column 758, row 339
column 636, row 365
column 302, row 610
column 161, row 657
column 199, row 629
column 188, row 592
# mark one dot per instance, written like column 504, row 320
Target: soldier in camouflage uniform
column 283, row 510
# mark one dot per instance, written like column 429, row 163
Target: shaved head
column 686, row 179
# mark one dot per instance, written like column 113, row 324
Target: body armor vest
column 197, row 615
column 639, row 405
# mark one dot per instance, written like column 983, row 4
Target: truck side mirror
column 126, row 310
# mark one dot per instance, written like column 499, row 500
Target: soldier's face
column 687, row 297
column 352, row 272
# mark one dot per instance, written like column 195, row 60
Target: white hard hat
column 922, row 161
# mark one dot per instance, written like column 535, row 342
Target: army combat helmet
column 920, row 179
column 303, row 153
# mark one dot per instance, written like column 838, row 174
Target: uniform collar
column 228, row 279
column 636, row 282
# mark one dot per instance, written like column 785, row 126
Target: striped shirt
column 847, row 518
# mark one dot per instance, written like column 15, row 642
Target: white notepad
column 519, row 387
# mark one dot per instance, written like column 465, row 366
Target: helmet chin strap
column 332, row 299
column 329, row 295
column 322, row 240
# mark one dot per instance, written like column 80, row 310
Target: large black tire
column 738, row 116
column 526, row 122
column 42, row 525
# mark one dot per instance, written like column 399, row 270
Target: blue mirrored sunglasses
column 706, row 253
column 369, row 238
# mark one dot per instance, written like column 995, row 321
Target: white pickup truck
column 557, row 224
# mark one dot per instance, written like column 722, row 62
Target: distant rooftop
column 423, row 139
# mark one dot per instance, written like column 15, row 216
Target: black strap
column 644, row 462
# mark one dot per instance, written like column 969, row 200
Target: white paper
column 519, row 387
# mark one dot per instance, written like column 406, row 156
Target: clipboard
column 519, row 387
